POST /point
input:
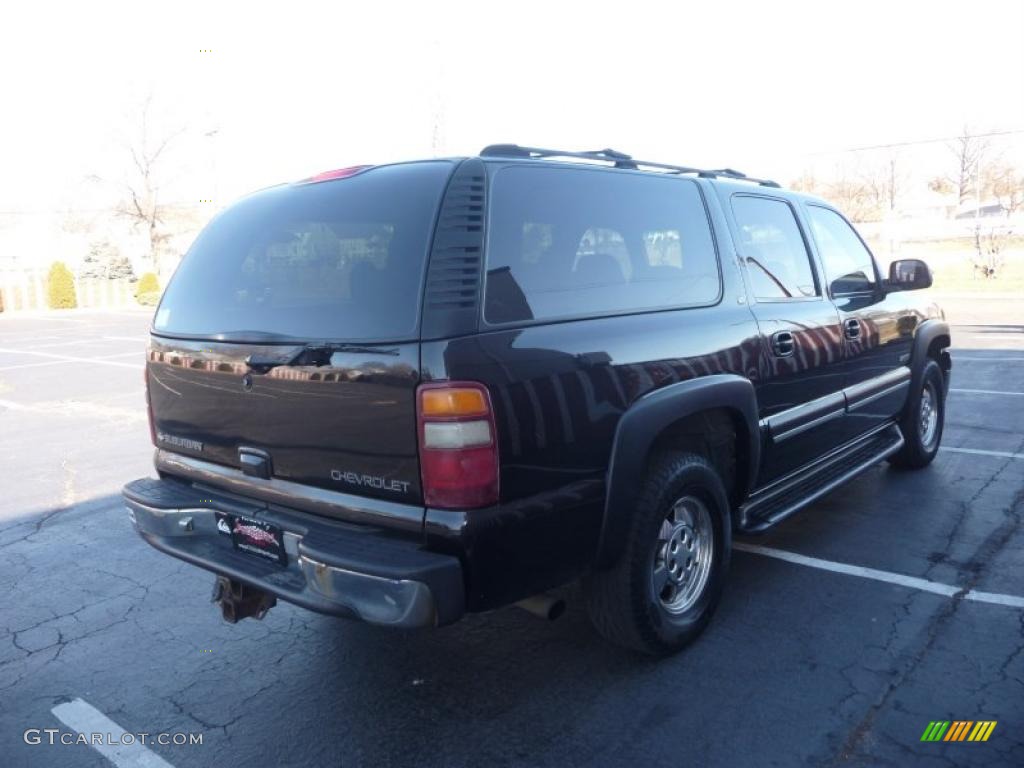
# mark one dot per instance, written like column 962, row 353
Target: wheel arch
column 931, row 342
column 663, row 418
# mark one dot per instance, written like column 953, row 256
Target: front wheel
column 666, row 584
column 922, row 421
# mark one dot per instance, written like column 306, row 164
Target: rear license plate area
column 254, row 537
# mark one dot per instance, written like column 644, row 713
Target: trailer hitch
column 240, row 601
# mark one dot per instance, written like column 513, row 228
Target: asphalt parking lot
column 812, row 662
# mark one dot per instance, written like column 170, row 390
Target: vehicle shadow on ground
column 531, row 686
column 98, row 613
column 133, row 630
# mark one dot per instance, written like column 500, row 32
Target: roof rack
column 618, row 160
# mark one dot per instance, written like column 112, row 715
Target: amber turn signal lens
column 454, row 401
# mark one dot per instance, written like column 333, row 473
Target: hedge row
column 60, row 288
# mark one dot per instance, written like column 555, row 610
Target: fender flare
column 926, row 333
column 645, row 420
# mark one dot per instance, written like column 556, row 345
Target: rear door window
column 573, row 242
column 770, row 242
column 337, row 260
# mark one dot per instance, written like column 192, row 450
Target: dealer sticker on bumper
column 253, row 536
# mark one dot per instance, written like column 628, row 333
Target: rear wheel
column 665, row 586
column 922, row 421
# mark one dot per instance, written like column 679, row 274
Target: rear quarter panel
column 559, row 390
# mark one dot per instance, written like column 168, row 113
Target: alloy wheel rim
column 683, row 555
column 928, row 418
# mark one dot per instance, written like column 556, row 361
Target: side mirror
column 908, row 275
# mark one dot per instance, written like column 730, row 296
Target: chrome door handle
column 852, row 328
column 783, row 343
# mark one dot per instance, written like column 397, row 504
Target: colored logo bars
column 958, row 730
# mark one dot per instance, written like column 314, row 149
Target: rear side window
column 570, row 242
column 777, row 260
column 848, row 263
column 337, row 260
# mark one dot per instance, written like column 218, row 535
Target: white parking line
column 912, row 582
column 60, row 331
column 980, row 452
column 34, row 365
column 86, row 408
column 66, row 343
column 70, row 359
column 130, row 312
column 90, row 340
column 988, row 359
column 85, row 718
column 984, row 335
column 135, row 354
column 986, row 392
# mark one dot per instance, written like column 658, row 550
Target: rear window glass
column 567, row 242
column 335, row 260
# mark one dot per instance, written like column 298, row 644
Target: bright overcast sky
column 297, row 87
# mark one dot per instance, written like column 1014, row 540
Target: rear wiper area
column 314, row 354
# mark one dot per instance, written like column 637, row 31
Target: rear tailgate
column 347, row 426
column 326, row 263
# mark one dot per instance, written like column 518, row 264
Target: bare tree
column 940, row 185
column 849, row 193
column 141, row 203
column 1002, row 182
column 854, row 198
column 989, row 244
column 808, row 182
column 884, row 183
column 967, row 150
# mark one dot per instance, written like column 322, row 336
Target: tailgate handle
column 254, row 462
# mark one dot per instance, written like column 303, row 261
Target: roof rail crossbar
column 730, row 173
column 619, row 159
column 725, row 172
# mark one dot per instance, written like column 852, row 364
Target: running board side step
column 768, row 507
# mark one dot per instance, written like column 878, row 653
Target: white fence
column 906, row 230
column 26, row 290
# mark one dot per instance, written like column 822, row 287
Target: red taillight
column 149, row 405
column 458, row 445
column 340, row 173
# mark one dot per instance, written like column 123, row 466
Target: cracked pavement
column 799, row 666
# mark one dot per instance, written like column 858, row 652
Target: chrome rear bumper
column 331, row 567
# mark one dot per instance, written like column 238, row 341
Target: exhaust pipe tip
column 556, row 610
column 543, row 606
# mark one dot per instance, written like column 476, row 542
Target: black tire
column 919, row 444
column 622, row 602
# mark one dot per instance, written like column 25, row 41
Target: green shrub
column 60, row 287
column 148, row 299
column 147, row 284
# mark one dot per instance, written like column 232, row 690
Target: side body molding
column 926, row 334
column 646, row 419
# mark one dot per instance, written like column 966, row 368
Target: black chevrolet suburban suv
column 407, row 392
